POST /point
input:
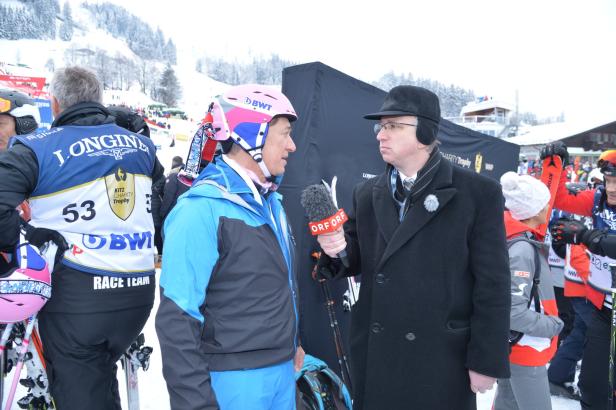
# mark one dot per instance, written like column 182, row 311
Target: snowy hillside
column 41, row 56
column 197, row 88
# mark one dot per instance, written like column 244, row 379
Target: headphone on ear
column 427, row 130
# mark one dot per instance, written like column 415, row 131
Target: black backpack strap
column 534, row 290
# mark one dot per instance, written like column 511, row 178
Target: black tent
column 333, row 139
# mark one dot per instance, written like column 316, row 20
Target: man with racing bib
column 89, row 186
column 600, row 204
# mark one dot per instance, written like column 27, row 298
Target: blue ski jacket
column 228, row 293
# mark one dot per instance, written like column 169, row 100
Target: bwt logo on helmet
column 119, row 242
column 258, row 104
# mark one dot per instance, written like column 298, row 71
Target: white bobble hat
column 525, row 196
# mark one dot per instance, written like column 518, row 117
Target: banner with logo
column 33, row 86
column 44, row 107
column 333, row 140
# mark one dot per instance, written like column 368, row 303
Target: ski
column 552, row 168
column 612, row 341
column 21, row 358
column 136, row 356
column 37, row 397
column 4, row 340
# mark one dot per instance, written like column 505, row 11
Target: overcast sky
column 559, row 55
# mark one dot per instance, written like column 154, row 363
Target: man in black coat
column 431, row 325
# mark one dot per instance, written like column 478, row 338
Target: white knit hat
column 525, row 196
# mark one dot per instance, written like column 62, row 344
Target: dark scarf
column 86, row 113
column 424, row 177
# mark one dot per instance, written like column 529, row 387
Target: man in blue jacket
column 227, row 321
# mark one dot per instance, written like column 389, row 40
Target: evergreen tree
column 45, row 14
column 170, row 53
column 169, row 90
column 261, row 71
column 4, row 23
column 50, row 65
column 145, row 42
column 21, row 26
column 153, row 76
column 158, row 45
column 452, row 98
column 66, row 29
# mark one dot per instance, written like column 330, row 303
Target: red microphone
column 323, row 215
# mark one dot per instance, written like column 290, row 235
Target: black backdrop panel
column 333, row 139
column 476, row 151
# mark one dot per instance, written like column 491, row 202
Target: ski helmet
column 25, row 282
column 243, row 114
column 22, row 108
column 607, row 162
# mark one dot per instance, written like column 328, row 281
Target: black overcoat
column 434, row 299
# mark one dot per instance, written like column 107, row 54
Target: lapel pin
column 431, row 203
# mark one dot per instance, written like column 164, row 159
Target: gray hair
column 74, row 85
column 433, row 145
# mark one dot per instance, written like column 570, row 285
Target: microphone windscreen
column 318, row 202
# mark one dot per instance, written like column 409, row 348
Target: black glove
column 39, row 236
column 327, row 268
column 559, row 249
column 566, row 230
column 555, row 148
column 592, row 240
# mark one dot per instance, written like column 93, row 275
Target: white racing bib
column 600, row 277
column 95, row 188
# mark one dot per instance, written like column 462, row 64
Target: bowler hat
column 416, row 101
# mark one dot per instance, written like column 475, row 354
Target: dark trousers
column 594, row 375
column 565, row 313
column 571, row 350
column 81, row 351
column 158, row 240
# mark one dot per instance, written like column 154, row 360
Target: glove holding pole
column 51, row 243
column 325, row 221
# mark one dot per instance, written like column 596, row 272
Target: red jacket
column 580, row 204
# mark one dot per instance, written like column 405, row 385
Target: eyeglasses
column 391, row 126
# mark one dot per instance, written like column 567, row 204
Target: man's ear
column 55, row 107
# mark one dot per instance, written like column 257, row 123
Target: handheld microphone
column 323, row 215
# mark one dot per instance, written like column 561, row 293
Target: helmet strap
column 23, row 251
column 257, row 156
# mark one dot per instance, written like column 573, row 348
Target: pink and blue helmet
column 243, row 114
column 25, row 283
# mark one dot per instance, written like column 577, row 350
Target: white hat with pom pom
column 525, row 196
